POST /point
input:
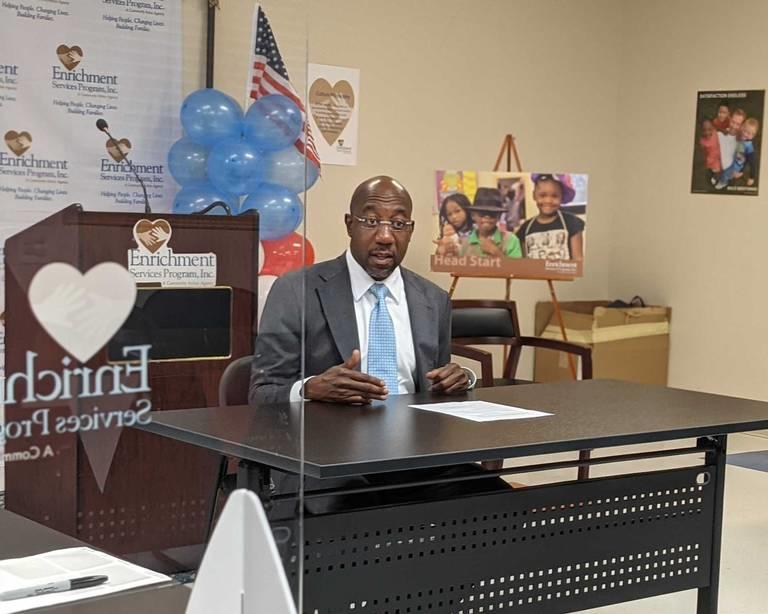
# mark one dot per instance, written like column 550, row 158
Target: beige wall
column 598, row 86
column 703, row 255
column 442, row 81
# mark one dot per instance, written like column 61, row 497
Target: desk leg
column 255, row 477
column 707, row 599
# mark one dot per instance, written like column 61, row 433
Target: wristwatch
column 471, row 376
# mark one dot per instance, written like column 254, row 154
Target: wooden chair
column 494, row 322
column 485, row 359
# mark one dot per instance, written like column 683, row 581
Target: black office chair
column 495, row 322
column 233, row 390
column 233, row 386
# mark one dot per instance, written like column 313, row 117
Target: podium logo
column 154, row 261
column 70, row 57
column 18, row 142
column 152, row 236
column 118, row 149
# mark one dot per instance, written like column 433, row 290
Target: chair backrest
column 487, row 322
column 234, row 382
column 493, row 321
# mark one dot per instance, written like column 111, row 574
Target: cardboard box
column 630, row 344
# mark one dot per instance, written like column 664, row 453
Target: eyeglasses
column 373, row 223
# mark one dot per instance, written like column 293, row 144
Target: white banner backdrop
column 63, row 65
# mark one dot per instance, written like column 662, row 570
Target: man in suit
column 373, row 328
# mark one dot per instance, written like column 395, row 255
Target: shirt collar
column 361, row 281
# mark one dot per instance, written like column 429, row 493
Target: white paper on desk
column 481, row 411
column 66, row 564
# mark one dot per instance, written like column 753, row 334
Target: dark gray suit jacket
column 331, row 328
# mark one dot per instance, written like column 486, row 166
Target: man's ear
column 348, row 223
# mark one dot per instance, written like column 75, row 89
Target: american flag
column 269, row 76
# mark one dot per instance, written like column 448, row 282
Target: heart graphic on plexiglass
column 82, row 312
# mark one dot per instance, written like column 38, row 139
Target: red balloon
column 283, row 255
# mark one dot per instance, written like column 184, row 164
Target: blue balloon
column 188, row 162
column 280, row 211
column 287, row 168
column 235, row 166
column 273, row 122
column 196, row 197
column 209, row 116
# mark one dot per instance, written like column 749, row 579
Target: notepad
column 66, row 564
column 481, row 411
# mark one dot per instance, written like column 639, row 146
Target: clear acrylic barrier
column 116, row 314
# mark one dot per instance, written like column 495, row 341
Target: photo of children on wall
column 726, row 158
column 526, row 224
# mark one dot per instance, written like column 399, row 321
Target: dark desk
column 556, row 548
column 20, row 537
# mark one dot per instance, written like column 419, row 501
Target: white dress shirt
column 397, row 305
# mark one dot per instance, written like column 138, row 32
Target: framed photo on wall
column 728, row 142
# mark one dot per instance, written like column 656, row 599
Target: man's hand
column 343, row 384
column 449, row 379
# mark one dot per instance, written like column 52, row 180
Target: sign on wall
column 498, row 224
column 334, row 104
column 727, row 145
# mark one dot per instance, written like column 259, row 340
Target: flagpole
column 209, row 51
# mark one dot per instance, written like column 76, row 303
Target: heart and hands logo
column 18, row 142
column 70, row 57
column 82, row 312
column 331, row 107
column 118, row 149
column 152, row 236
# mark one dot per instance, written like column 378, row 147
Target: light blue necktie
column 382, row 348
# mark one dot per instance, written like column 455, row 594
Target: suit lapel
column 339, row 308
column 424, row 327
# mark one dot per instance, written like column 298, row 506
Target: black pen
column 53, row 587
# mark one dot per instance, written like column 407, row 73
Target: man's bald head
column 379, row 248
column 380, row 189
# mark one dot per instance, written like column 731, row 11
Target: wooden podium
column 122, row 490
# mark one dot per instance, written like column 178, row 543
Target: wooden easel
column 509, row 149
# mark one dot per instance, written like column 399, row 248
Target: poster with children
column 499, row 224
column 726, row 149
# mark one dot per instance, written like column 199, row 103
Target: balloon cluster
column 248, row 161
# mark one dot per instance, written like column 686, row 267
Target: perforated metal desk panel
column 556, row 548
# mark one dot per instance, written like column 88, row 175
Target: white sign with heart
column 82, row 312
column 334, row 108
